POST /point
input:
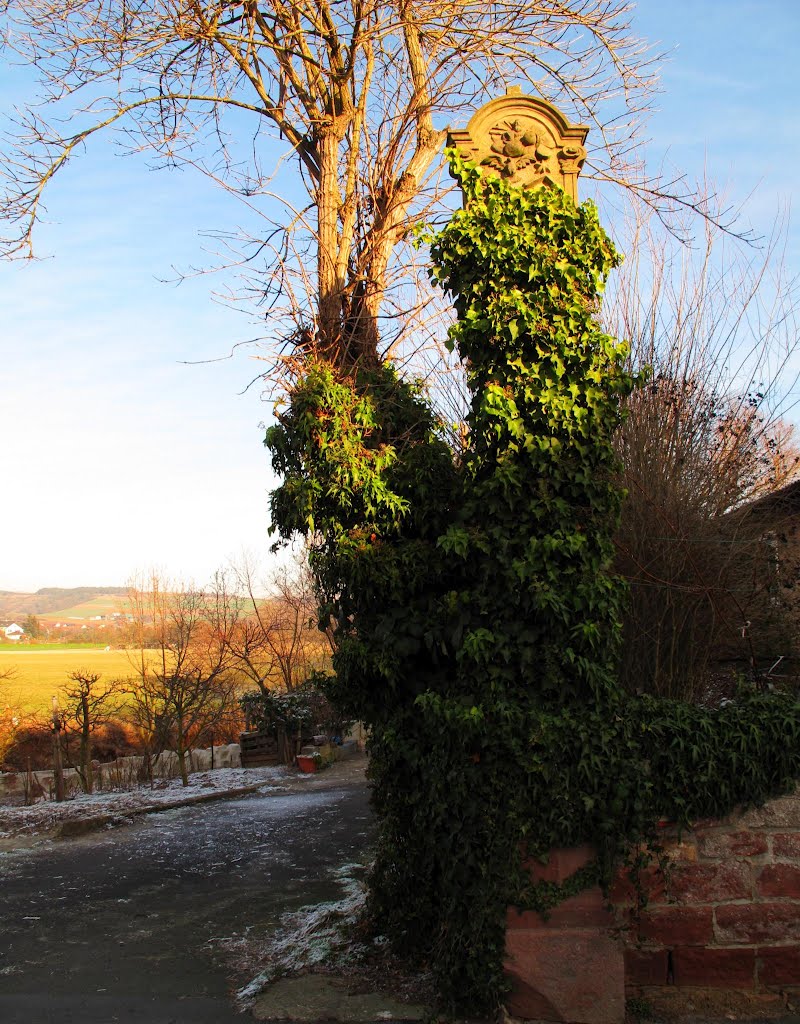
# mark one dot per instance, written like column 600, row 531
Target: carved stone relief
column 526, row 141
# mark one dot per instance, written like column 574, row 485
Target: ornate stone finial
column 524, row 140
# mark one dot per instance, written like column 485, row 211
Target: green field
column 40, row 674
column 106, row 605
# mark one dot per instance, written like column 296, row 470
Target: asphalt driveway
column 129, row 924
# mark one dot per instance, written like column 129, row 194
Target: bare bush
column 715, row 333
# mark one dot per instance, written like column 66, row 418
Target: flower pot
column 306, row 763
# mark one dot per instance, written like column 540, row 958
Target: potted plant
column 309, row 763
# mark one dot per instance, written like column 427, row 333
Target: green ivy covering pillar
column 473, row 607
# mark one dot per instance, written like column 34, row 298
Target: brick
column 575, row 975
column 779, row 966
column 646, row 967
column 714, row 968
column 779, row 880
column 562, row 863
column 585, row 910
column 721, row 845
column 786, row 845
column 710, row 883
column 677, row 926
column 758, row 922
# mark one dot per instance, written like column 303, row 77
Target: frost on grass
column 310, row 937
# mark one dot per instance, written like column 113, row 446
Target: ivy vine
column 473, row 606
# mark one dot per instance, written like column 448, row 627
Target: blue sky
column 117, row 455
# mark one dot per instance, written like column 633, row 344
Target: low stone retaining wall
column 728, row 913
column 724, row 919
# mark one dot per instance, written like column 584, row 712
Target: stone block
column 786, row 845
column 720, row 845
column 779, row 965
column 779, row 880
column 623, row 892
column 781, row 813
column 710, row 883
column 571, row 975
column 646, row 967
column 587, row 909
column 714, row 968
column 676, row 926
column 685, row 850
column 753, row 923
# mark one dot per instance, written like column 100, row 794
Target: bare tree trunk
column 30, row 785
column 330, row 286
column 58, row 766
column 180, row 750
column 87, row 775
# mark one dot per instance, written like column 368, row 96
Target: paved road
column 119, row 926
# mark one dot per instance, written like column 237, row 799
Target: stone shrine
column 524, row 140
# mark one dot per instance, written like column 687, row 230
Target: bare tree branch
column 361, row 91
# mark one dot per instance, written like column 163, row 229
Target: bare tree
column 86, row 704
column 185, row 684
column 276, row 643
column 355, row 95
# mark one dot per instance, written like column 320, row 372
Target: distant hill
column 50, row 600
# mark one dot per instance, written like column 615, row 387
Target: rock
column 82, row 826
column 310, row 998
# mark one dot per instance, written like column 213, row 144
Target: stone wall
column 722, row 923
column 124, row 773
column 727, row 915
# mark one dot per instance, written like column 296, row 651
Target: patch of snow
column 42, row 817
column 308, row 937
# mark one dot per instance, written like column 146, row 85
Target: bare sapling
column 88, row 703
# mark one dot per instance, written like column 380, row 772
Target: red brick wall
column 728, row 916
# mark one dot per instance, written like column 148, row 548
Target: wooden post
column 29, row 785
column 58, row 767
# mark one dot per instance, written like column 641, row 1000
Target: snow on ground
column 329, row 938
column 306, row 939
column 42, row 817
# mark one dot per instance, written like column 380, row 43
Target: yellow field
column 39, row 675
